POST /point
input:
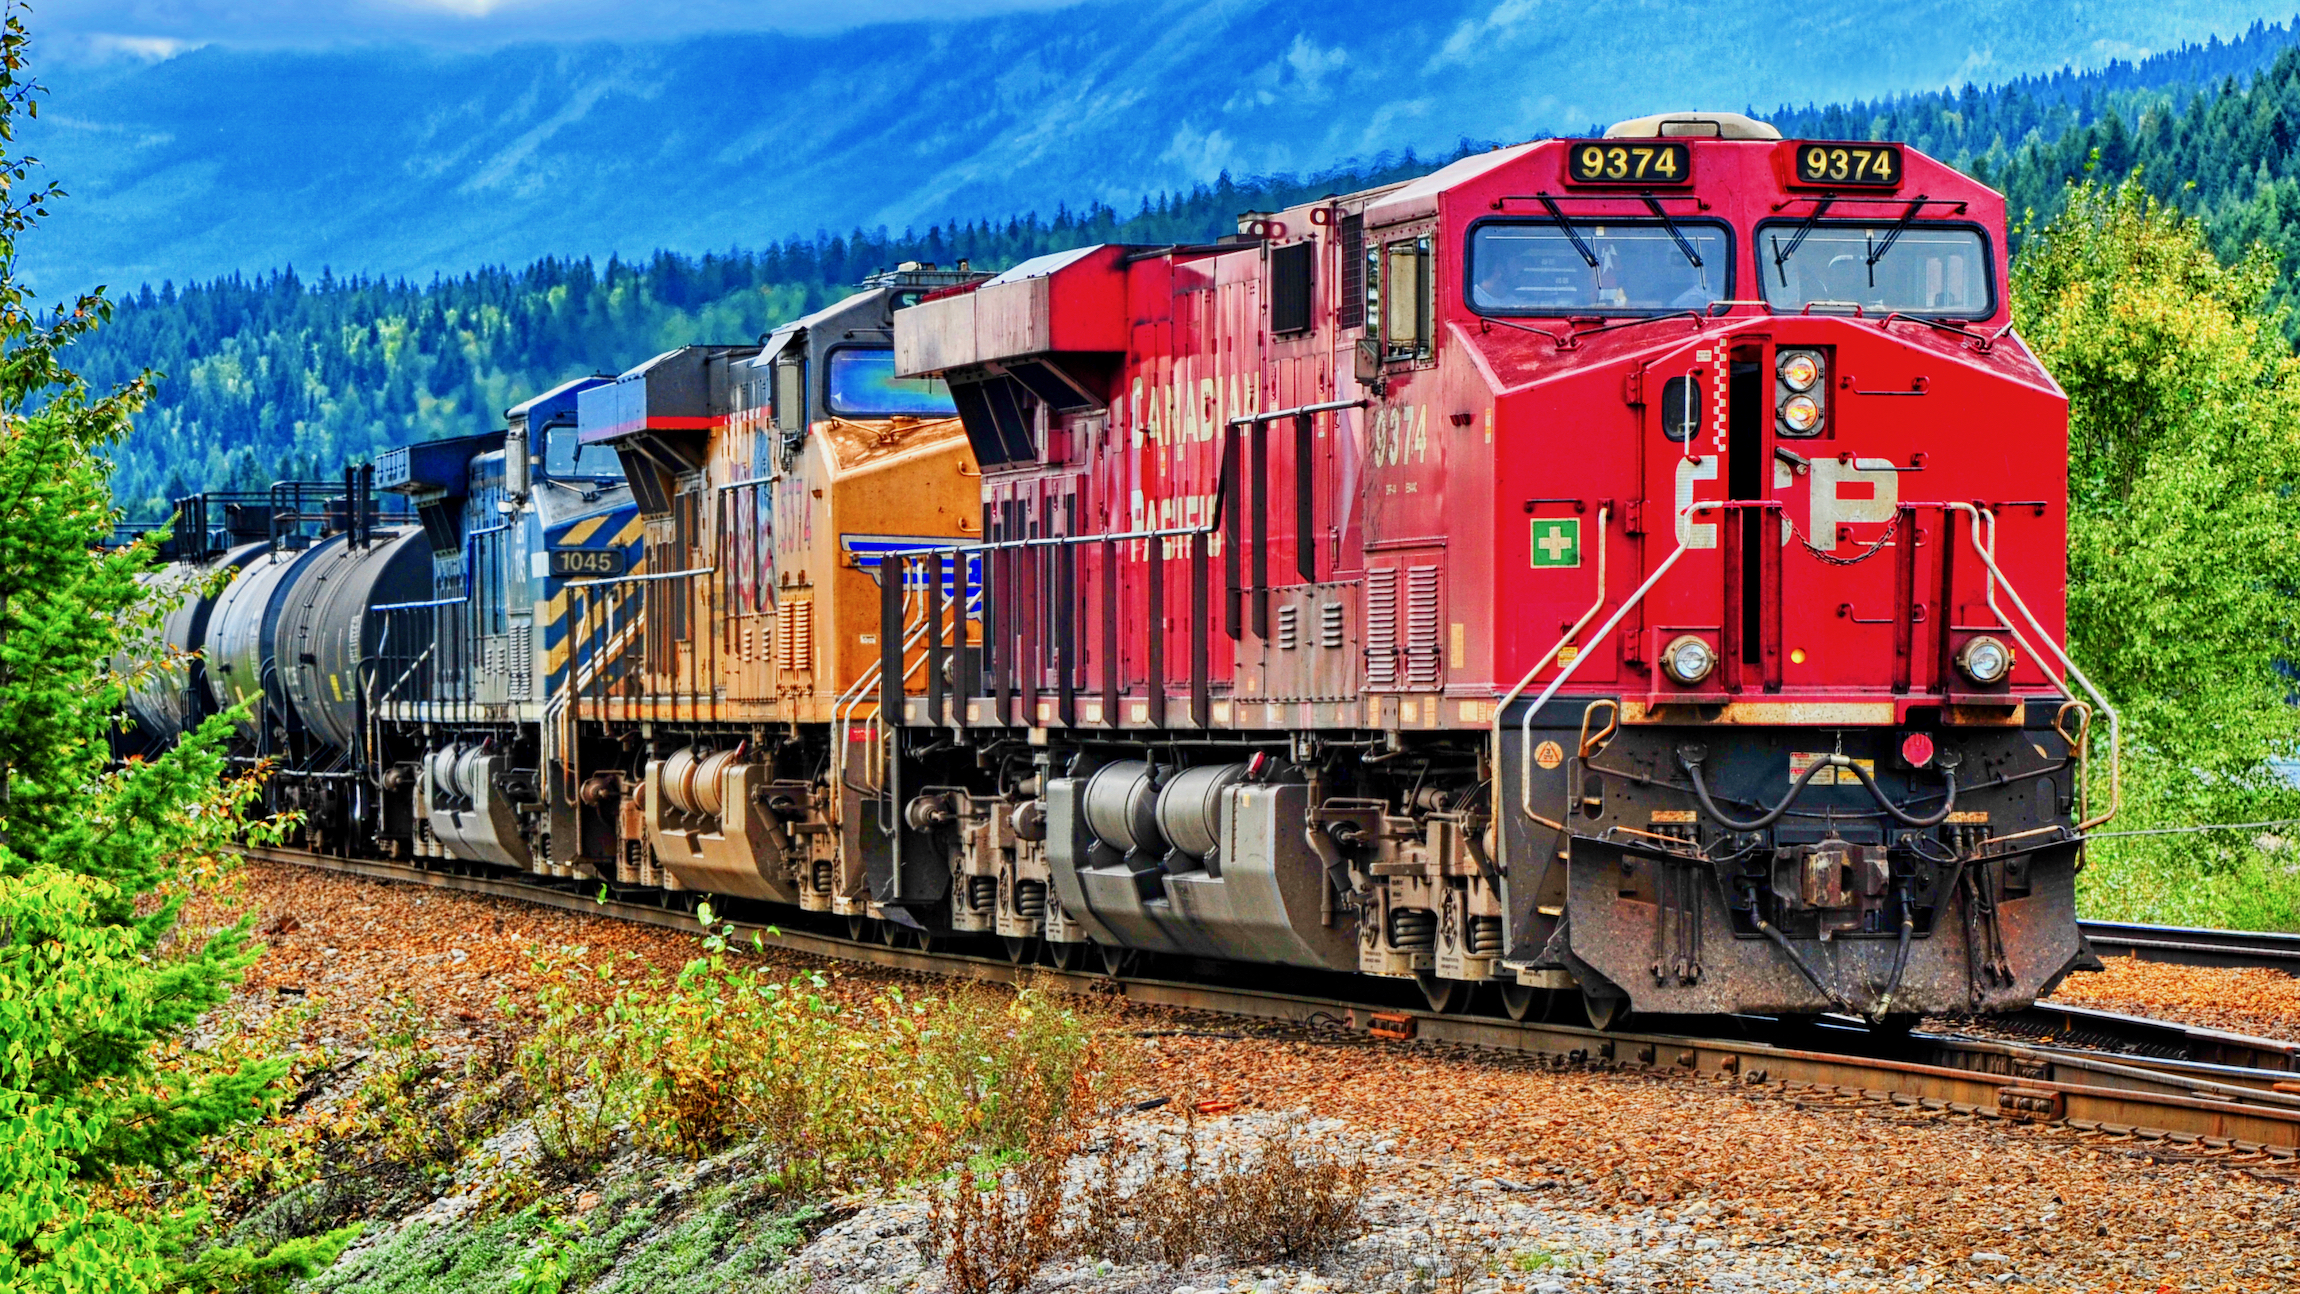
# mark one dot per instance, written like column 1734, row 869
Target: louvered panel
column 786, row 613
column 522, row 663
column 1382, row 630
column 1423, row 663
column 1333, row 615
column 1289, row 628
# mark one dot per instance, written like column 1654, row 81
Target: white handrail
column 2068, row 666
column 1604, row 515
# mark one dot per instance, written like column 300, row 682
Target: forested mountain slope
column 284, row 375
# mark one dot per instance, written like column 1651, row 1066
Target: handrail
column 640, row 579
column 418, row 606
column 1526, row 773
column 2069, row 666
column 1604, row 514
column 1997, row 578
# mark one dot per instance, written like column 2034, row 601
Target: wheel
column 1115, row 961
column 858, row 928
column 1065, row 955
column 930, row 941
column 889, row 933
column 1519, row 1000
column 1020, row 949
column 1604, row 1012
column 1446, row 996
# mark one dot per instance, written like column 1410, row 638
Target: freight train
column 1622, row 572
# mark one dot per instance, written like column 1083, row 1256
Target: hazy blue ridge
column 398, row 160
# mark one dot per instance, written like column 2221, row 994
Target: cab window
column 1880, row 268
column 566, row 458
column 1404, row 303
column 863, row 385
column 1597, row 267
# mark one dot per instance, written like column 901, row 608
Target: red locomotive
column 1628, row 567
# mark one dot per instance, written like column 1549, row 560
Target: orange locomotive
column 707, row 688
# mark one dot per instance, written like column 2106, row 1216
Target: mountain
column 407, row 161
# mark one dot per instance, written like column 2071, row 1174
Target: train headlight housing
column 1985, row 660
column 1800, row 369
column 1801, row 415
column 1688, row 659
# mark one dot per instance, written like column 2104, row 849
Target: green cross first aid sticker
column 1557, row 541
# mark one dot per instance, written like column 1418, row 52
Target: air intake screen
column 1350, row 311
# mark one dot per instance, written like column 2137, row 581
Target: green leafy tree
column 2184, row 544
column 94, row 974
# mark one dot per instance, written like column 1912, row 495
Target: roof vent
column 1692, row 125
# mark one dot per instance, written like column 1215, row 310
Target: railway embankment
column 418, row 1109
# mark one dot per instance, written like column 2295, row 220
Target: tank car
column 272, row 619
column 1626, row 569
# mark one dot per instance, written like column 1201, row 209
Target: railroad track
column 2194, row 947
column 2199, row 1090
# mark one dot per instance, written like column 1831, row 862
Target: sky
column 149, row 29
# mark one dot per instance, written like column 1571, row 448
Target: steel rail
column 2194, row 947
column 2113, row 1095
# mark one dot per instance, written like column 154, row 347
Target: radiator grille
column 1382, row 629
column 1423, row 664
column 522, row 663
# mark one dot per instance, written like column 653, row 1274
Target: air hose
column 1691, row 762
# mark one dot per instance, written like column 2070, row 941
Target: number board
column 1630, row 162
column 1848, row 166
column 586, row 561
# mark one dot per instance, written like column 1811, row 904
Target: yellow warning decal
column 335, row 684
column 1801, row 760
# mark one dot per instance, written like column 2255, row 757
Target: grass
column 2196, row 882
column 729, row 1238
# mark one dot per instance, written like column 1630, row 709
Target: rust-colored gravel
column 2262, row 1002
column 1865, row 1186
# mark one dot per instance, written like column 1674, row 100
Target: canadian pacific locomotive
column 1625, row 571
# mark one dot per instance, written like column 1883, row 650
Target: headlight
column 1688, row 659
column 1800, row 370
column 1985, row 660
column 1801, row 414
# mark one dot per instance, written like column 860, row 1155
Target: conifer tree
column 94, row 974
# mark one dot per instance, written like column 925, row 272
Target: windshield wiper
column 1563, row 224
column 1782, row 254
column 1892, row 235
column 1653, row 204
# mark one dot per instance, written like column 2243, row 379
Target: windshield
column 863, row 384
column 566, row 458
column 1926, row 269
column 1535, row 269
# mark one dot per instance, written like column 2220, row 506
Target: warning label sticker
column 1801, row 760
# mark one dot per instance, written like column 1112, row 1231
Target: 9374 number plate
column 1629, row 161
column 1851, row 166
column 586, row 561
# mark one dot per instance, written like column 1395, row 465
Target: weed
column 834, row 1096
column 1284, row 1199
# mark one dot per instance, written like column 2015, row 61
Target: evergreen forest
column 288, row 374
